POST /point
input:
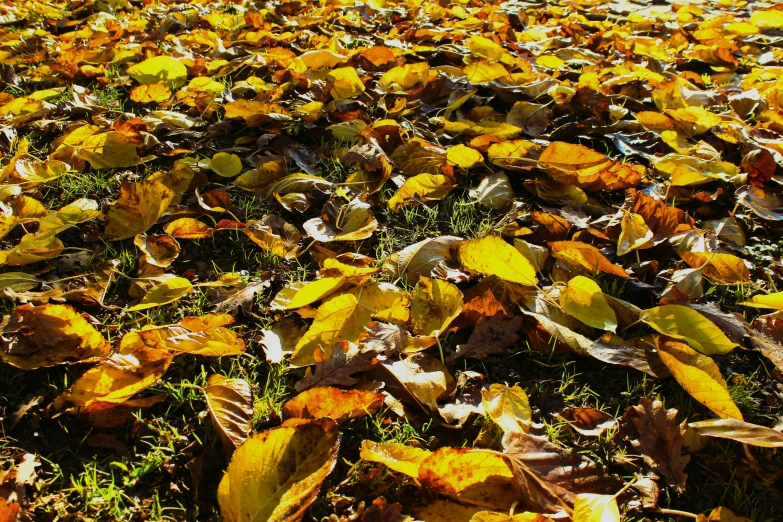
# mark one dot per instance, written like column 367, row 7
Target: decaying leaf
column 333, row 403
column 276, row 474
column 230, row 404
column 51, row 334
column 654, row 433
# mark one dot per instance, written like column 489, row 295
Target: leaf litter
column 391, row 260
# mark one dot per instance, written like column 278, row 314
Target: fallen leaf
column 682, row 322
column 700, row 377
column 655, row 434
column 230, row 405
column 398, row 457
column 276, row 474
column 582, row 298
column 739, row 431
column 51, row 334
column 338, row 405
column 585, row 258
column 508, row 407
column 491, row 255
column 168, row 291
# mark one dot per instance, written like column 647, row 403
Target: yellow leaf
column 276, row 474
column 464, row 157
column 230, row 405
column 590, row 507
column 398, row 457
column 111, row 150
column 436, row 303
column 160, row 69
column 344, row 317
column 332, row 403
column 32, row 249
column 50, row 334
column 774, row 301
column 155, row 92
column 484, row 72
column 404, row 77
column 478, row 477
column 584, row 257
column 724, row 268
column 297, row 295
column 117, row 379
column 491, row 255
column 138, row 208
column 508, row 407
column 582, row 298
column 274, row 234
column 685, row 323
column 767, row 20
column 485, row 48
column 700, row 377
column 444, row 511
column 164, row 293
column 188, row 228
column 345, row 83
column 550, row 61
column 421, row 188
column 634, row 233
column 186, row 338
column 226, row 165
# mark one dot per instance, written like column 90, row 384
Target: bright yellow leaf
column 582, row 298
column 491, row 255
column 685, row 323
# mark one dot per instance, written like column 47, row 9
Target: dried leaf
column 230, row 404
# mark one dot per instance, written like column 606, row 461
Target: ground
column 665, row 111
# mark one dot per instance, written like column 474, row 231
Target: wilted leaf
column 230, row 404
column 276, row 474
column 724, row 268
column 51, row 334
column 138, row 208
column 478, row 477
column 739, row 431
column 435, row 305
column 494, row 191
column 274, row 234
column 654, row 433
column 333, row 403
column 344, row 317
column 585, row 258
column 588, row 421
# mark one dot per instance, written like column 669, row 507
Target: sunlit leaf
column 683, row 322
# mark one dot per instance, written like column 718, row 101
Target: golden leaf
column 683, row 322
column 276, row 474
column 700, row 377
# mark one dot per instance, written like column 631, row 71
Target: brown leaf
column 345, row 360
column 230, row 405
column 492, row 336
column 663, row 220
column 654, row 433
column 338, row 405
column 41, row 336
column 588, row 421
